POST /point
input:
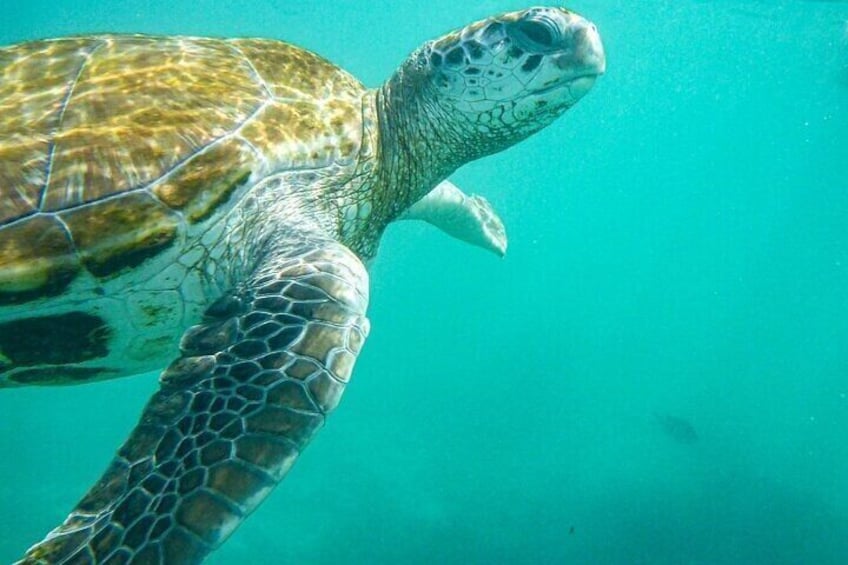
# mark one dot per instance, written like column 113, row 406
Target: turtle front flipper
column 254, row 383
column 469, row 218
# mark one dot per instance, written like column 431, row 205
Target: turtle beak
column 583, row 48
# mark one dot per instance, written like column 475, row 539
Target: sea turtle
column 214, row 203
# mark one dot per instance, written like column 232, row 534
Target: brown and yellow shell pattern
column 125, row 162
column 111, row 147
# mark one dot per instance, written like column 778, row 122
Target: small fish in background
column 678, row 429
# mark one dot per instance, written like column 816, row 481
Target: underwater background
column 657, row 372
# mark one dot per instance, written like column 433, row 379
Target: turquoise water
column 678, row 247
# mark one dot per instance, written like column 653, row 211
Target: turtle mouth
column 577, row 86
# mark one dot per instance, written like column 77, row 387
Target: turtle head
column 481, row 89
column 497, row 81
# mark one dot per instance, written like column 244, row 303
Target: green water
column 678, row 246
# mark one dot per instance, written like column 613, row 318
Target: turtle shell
column 111, row 145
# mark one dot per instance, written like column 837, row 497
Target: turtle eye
column 534, row 35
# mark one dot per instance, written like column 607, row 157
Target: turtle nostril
column 535, row 34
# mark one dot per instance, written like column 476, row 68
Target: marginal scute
column 36, row 259
column 121, row 232
column 207, row 180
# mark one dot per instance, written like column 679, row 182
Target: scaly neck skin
column 416, row 147
column 410, row 145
